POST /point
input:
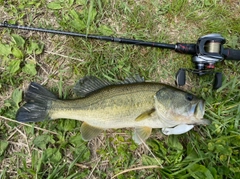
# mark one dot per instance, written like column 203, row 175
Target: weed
column 55, row 149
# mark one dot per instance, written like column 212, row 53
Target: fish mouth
column 198, row 109
column 199, row 113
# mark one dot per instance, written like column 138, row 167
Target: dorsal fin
column 90, row 84
column 133, row 79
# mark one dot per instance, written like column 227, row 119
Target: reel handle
column 181, row 77
column 217, row 83
column 231, row 54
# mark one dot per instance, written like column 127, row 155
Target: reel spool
column 209, row 50
column 212, row 47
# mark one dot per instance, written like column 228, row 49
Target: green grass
column 55, row 149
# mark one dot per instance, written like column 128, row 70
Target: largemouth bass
column 131, row 103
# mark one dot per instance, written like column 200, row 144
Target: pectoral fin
column 180, row 129
column 140, row 134
column 145, row 115
column 89, row 132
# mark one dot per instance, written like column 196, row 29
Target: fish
column 131, row 103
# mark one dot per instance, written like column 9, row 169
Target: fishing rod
column 205, row 53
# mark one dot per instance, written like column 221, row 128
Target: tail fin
column 38, row 101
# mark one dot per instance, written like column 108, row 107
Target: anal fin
column 89, row 132
column 140, row 134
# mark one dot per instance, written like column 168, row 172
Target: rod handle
column 231, row 54
column 186, row 48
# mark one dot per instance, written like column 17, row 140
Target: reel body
column 209, row 50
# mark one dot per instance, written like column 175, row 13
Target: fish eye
column 189, row 97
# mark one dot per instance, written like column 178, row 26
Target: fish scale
column 115, row 104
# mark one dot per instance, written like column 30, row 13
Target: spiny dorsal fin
column 133, row 79
column 90, row 84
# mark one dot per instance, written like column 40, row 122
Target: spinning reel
column 208, row 50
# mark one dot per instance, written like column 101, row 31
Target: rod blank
column 90, row 36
